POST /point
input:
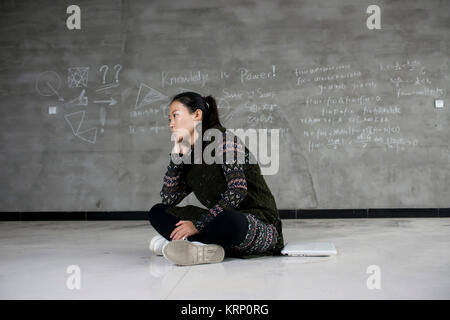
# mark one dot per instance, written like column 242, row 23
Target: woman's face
column 181, row 121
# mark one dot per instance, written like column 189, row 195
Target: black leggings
column 229, row 228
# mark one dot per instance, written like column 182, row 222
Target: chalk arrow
column 111, row 101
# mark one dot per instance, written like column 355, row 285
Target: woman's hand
column 184, row 229
column 181, row 142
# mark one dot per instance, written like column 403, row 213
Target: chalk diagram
column 77, row 77
column 102, row 118
column 81, row 100
column 75, row 120
column 104, row 69
column 111, row 101
column 48, row 83
column 147, row 95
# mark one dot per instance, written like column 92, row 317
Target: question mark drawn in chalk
column 118, row 67
column 106, row 68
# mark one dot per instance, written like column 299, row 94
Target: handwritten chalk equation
column 387, row 143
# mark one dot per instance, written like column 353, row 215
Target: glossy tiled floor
column 413, row 257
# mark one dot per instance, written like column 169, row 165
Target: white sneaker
column 186, row 253
column 157, row 244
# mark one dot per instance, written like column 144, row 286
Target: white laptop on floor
column 309, row 249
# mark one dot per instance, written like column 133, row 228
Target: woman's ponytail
column 212, row 114
column 207, row 104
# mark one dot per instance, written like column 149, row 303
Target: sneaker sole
column 186, row 253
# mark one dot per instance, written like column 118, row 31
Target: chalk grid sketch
column 77, row 77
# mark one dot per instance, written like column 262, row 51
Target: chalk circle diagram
column 48, row 83
column 147, row 95
column 77, row 77
column 75, row 120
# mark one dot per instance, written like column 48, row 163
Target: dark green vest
column 207, row 181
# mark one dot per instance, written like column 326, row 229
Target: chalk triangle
column 89, row 135
column 147, row 95
column 75, row 120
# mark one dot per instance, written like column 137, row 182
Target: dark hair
column 208, row 105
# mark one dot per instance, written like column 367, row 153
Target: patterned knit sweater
column 238, row 186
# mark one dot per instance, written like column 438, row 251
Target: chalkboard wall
column 84, row 124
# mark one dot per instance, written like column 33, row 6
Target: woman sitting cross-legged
column 242, row 218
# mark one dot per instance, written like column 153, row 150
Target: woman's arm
column 174, row 188
column 236, row 186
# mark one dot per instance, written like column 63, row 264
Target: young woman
column 242, row 218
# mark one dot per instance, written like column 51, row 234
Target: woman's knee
column 158, row 207
column 156, row 210
column 229, row 224
column 230, row 217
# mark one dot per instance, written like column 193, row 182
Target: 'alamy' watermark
column 73, row 21
column 232, row 148
column 74, row 280
column 374, row 20
column 374, row 280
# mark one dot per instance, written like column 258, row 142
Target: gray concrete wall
column 355, row 107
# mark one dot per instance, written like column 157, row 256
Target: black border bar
column 284, row 214
column 271, row 309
